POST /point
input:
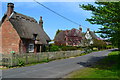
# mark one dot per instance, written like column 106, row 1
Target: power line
column 58, row 14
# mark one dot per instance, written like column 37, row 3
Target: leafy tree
column 98, row 43
column 106, row 14
column 58, row 31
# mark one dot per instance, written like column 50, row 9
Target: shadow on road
column 111, row 62
column 92, row 61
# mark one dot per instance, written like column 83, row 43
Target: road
column 55, row 69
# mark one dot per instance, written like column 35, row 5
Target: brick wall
column 9, row 38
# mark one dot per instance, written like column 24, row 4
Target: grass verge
column 109, row 67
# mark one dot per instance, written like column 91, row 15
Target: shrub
column 95, row 49
column 79, row 48
column 100, row 44
column 87, row 50
column 109, row 46
column 20, row 62
column 54, row 48
column 66, row 48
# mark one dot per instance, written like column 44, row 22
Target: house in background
column 75, row 37
column 69, row 37
column 90, row 36
column 21, row 33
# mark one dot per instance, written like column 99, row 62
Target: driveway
column 55, row 69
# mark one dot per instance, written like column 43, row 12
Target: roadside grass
column 18, row 66
column 109, row 67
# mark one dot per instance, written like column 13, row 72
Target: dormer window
column 34, row 36
column 27, row 19
column 17, row 16
column 23, row 18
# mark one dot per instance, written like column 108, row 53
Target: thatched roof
column 27, row 26
column 0, row 23
column 94, row 36
column 69, row 33
column 60, row 36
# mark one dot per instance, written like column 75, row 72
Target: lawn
column 109, row 67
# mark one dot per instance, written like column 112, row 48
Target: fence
column 27, row 58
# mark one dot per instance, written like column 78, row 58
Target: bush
column 87, row 50
column 21, row 63
column 100, row 44
column 54, row 48
column 66, row 48
column 109, row 46
column 95, row 49
column 80, row 48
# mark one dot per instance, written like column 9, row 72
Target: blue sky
column 53, row 22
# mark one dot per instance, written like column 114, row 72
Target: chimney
column 41, row 22
column 88, row 29
column 80, row 29
column 66, row 37
column 10, row 9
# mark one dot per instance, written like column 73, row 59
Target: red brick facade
column 9, row 38
column 19, row 33
column 69, row 37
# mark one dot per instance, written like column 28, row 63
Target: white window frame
column 87, row 35
column 31, row 47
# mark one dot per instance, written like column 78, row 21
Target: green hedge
column 66, row 48
column 54, row 48
column 61, row 48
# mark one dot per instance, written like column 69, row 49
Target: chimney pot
column 80, row 29
column 10, row 9
column 88, row 29
column 10, row 5
column 41, row 19
column 41, row 22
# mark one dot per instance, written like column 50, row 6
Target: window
column 91, row 42
column 31, row 48
column 87, row 35
column 34, row 36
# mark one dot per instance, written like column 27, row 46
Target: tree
column 106, row 14
column 98, row 43
column 58, row 32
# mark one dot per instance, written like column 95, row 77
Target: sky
column 53, row 22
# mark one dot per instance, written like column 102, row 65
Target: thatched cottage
column 75, row 37
column 71, row 37
column 21, row 33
